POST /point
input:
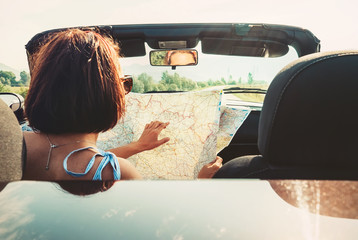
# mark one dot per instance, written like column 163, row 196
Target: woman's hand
column 149, row 138
column 209, row 170
column 147, row 141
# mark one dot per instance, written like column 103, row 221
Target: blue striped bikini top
column 108, row 157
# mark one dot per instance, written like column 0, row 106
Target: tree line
column 8, row 80
column 174, row 82
column 142, row 83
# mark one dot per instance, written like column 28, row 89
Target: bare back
column 38, row 154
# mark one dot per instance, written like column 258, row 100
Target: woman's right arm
column 147, row 141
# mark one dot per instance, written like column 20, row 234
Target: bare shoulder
column 128, row 171
column 36, row 152
column 29, row 135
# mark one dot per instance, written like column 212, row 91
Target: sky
column 334, row 22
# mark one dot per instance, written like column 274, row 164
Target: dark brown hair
column 75, row 84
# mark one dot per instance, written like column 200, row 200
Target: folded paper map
column 199, row 128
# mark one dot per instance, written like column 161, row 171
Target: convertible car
column 296, row 143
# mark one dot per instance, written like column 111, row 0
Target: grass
column 20, row 90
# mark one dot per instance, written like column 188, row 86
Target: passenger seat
column 308, row 127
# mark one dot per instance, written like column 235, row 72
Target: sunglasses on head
column 127, row 81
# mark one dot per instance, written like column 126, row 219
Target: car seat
column 12, row 150
column 308, row 127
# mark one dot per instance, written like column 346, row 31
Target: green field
column 19, row 90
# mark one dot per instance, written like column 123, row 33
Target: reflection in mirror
column 14, row 101
column 15, row 106
column 85, row 188
column 174, row 57
column 329, row 198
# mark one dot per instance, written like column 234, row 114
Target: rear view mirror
column 173, row 57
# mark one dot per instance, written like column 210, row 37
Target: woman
column 77, row 91
column 180, row 58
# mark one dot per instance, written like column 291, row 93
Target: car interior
column 306, row 128
column 289, row 170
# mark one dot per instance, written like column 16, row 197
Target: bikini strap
column 113, row 160
column 108, row 157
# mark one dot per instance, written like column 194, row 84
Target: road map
column 230, row 121
column 199, row 127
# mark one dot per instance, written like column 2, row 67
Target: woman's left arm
column 209, row 170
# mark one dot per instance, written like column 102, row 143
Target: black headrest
column 309, row 113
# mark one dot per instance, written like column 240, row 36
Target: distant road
column 233, row 100
column 228, row 99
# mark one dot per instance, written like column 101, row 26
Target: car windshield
column 212, row 72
